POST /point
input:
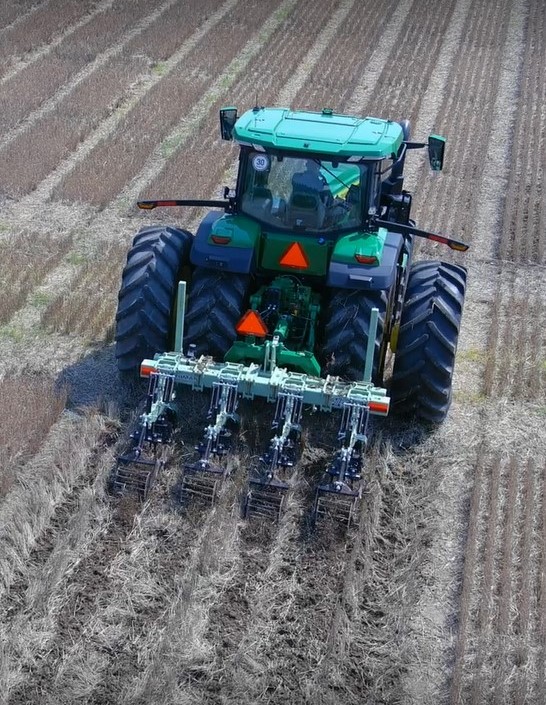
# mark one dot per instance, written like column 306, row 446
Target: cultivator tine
column 201, row 479
column 336, row 504
column 338, row 494
column 266, row 488
column 134, row 475
column 265, row 499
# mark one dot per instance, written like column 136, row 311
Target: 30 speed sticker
column 260, row 162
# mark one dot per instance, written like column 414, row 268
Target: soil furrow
column 36, row 147
column 521, row 236
column 143, row 127
column 522, row 622
column 468, row 584
column 541, row 606
column 481, row 683
column 455, row 195
column 41, row 84
column 15, row 12
column 39, row 29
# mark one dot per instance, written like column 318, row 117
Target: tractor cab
column 304, row 193
column 308, row 172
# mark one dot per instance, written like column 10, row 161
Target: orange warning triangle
column 294, row 256
column 251, row 324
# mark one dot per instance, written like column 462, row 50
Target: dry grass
column 34, row 153
column 25, row 260
column 48, row 477
column 30, row 406
column 40, row 28
column 41, row 592
column 161, row 109
column 89, row 306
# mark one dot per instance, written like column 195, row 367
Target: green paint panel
column 365, row 244
column 325, row 132
column 242, row 231
column 274, row 246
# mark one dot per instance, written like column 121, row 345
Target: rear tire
column 215, row 305
column 427, row 341
column 346, row 333
column 144, row 318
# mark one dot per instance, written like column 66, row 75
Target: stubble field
column 438, row 595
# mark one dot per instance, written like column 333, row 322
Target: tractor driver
column 311, row 181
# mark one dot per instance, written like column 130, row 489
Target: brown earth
column 438, row 594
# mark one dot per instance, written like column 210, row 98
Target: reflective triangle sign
column 252, row 324
column 294, row 256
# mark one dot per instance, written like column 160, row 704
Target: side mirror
column 228, row 118
column 436, row 148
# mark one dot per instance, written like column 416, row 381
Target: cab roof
column 325, row 132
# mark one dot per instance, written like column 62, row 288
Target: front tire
column 427, row 341
column 147, row 295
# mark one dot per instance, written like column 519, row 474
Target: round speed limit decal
column 260, row 162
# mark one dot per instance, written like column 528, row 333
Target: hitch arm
column 409, row 230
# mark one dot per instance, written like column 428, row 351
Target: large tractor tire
column 215, row 305
column 427, row 341
column 346, row 333
column 144, row 319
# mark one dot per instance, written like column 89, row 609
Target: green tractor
column 294, row 293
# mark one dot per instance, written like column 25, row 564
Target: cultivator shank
column 338, row 493
column 137, row 469
column 202, row 478
column 268, row 482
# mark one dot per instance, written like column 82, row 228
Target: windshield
column 295, row 193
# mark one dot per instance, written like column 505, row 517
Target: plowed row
column 438, row 594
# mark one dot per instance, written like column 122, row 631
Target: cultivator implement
column 270, row 480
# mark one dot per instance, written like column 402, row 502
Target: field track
column 438, row 595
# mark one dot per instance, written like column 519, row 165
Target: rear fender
column 345, row 275
column 231, row 257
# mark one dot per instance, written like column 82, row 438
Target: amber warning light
column 252, row 324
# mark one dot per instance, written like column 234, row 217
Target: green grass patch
column 40, row 298
column 76, row 258
column 160, row 68
column 12, row 332
column 472, row 355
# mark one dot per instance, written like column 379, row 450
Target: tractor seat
column 305, row 210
